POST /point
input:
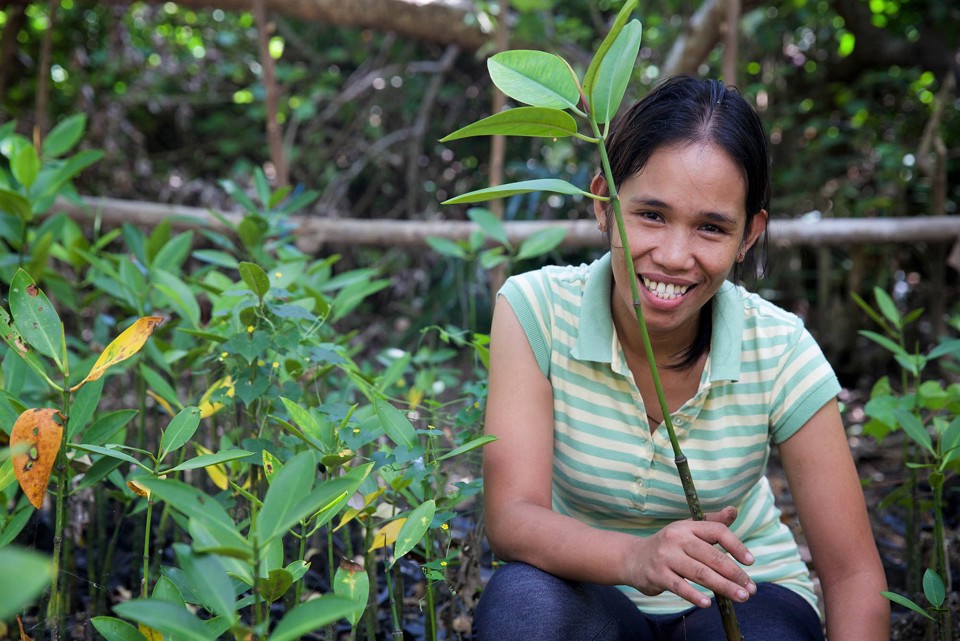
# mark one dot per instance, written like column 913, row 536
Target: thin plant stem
column 431, row 604
column 941, row 561
column 145, row 581
column 730, row 626
column 55, row 604
column 397, row 632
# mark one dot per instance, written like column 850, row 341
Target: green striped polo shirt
column 764, row 378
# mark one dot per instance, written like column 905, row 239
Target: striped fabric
column 764, row 378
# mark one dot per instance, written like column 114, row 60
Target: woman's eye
column 649, row 215
column 713, row 229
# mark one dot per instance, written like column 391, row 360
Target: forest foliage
column 162, row 102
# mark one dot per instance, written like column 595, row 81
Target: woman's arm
column 521, row 525
column 829, row 501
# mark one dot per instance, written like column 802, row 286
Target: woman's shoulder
column 552, row 277
column 760, row 311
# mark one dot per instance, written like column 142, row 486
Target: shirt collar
column 596, row 331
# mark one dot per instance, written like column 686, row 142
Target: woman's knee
column 523, row 602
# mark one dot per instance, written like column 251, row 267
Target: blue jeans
column 523, row 603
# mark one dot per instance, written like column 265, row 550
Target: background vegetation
column 859, row 98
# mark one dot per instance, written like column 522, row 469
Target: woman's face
column 685, row 221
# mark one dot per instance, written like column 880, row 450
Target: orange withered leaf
column 38, row 432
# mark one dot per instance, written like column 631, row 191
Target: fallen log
column 314, row 232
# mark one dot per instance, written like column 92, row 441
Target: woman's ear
column 757, row 226
column 598, row 187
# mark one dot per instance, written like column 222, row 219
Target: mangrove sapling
column 928, row 413
column 34, row 329
column 549, row 85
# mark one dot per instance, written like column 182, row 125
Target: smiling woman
column 581, row 490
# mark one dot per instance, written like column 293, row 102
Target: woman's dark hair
column 681, row 111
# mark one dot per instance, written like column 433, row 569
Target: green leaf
column 535, row 78
column 493, row 257
column 206, row 460
column 541, row 242
column 887, row 307
column 35, row 317
column 590, row 78
column 25, row 165
column 395, row 424
column 112, row 453
column 276, row 585
column 308, row 423
column 33, row 572
column 541, row 122
column 64, row 136
column 886, row 343
column 171, row 255
column 208, row 580
column 945, row 347
column 255, row 278
column 216, row 257
column 466, row 447
column 179, row 296
column 13, row 203
column 191, row 501
column 313, row 615
column 167, row 590
column 159, row 385
column 446, row 247
column 235, row 552
column 114, row 629
column 282, row 503
column 915, row 429
column 615, row 72
column 82, row 408
column 413, row 529
column 105, row 427
column 523, row 187
column 49, row 184
column 907, row 603
column 352, row 583
column 950, row 441
column 180, row 430
column 933, row 588
column 165, row 617
column 262, row 186
column 20, row 347
column 489, row 224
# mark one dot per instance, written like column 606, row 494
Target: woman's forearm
column 855, row 609
column 560, row 545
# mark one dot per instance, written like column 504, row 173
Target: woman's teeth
column 666, row 291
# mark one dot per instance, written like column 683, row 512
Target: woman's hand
column 685, row 552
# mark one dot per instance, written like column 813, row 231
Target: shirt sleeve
column 529, row 298
column 805, row 382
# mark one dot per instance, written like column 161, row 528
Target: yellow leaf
column 352, row 512
column 387, row 535
column 162, row 402
column 139, row 489
column 150, row 633
column 38, row 434
column 217, row 472
column 271, row 465
column 122, row 347
column 207, row 407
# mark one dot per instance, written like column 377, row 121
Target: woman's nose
column 672, row 251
